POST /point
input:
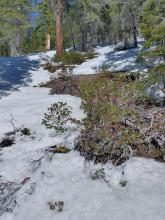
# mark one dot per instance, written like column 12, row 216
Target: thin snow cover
column 65, row 177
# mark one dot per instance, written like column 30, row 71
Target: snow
column 18, row 71
column 65, row 177
column 15, row 72
column 112, row 60
column 91, row 66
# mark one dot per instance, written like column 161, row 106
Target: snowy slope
column 112, row 60
column 17, row 71
column 66, row 177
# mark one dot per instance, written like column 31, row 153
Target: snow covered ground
column 17, row 71
column 66, row 177
column 14, row 72
column 112, row 60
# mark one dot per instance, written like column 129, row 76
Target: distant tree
column 104, row 31
column 89, row 22
column 130, row 23
column 46, row 19
column 115, row 25
column 14, row 23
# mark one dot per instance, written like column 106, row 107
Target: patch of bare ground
column 121, row 121
column 68, row 85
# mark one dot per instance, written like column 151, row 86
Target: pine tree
column 89, row 22
column 115, row 25
column 46, row 20
column 129, row 23
column 153, row 27
column 14, row 22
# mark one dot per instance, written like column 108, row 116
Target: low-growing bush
column 59, row 114
column 116, row 127
column 90, row 55
column 69, row 58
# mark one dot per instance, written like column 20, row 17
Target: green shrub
column 4, row 49
column 90, row 55
column 57, row 117
column 104, row 101
column 69, row 58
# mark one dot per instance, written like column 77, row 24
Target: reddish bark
column 59, row 36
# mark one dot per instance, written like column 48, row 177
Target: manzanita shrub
column 58, row 115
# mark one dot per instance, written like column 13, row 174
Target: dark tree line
column 78, row 23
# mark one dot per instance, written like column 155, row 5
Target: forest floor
column 38, row 183
column 142, row 119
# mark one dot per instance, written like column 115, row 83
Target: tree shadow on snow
column 122, row 59
column 14, row 72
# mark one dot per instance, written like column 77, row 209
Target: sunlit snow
column 66, row 177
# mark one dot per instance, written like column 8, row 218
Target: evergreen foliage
column 153, row 29
column 84, row 24
column 14, row 23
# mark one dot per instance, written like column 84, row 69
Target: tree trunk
column 88, row 31
column 47, row 41
column 59, row 36
column 72, row 34
column 83, row 28
column 130, row 40
column 16, row 44
column 135, row 36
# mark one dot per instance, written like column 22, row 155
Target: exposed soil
column 68, row 86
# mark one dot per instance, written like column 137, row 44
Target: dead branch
column 12, row 122
column 8, row 192
column 36, row 163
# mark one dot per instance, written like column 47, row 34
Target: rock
column 157, row 92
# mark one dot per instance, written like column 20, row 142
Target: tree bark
column 16, row 44
column 47, row 41
column 83, row 28
column 135, row 36
column 59, row 36
column 72, row 34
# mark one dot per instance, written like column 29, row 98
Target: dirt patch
column 59, row 149
column 69, row 85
